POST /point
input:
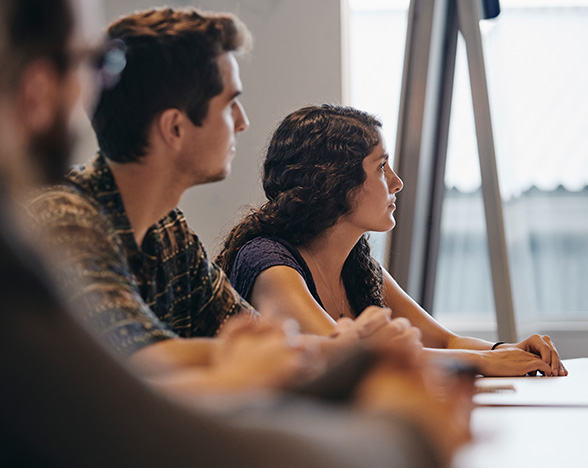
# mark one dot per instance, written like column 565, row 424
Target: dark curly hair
column 313, row 167
column 171, row 62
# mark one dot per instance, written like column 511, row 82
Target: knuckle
column 401, row 322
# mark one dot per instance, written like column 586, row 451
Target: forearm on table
column 467, row 342
column 195, row 382
column 471, row 356
column 173, row 355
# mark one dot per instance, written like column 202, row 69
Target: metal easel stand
column 470, row 13
column 421, row 150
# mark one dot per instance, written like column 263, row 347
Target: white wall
column 296, row 61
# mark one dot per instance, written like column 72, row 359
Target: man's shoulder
column 87, row 190
column 91, row 175
column 175, row 223
column 62, row 199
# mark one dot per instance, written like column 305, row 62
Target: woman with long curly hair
column 305, row 252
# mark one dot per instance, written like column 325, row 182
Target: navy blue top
column 262, row 253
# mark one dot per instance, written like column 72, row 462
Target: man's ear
column 171, row 127
column 38, row 96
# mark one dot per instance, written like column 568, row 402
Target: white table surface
column 571, row 390
column 535, row 437
column 543, row 424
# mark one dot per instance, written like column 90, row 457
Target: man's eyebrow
column 235, row 94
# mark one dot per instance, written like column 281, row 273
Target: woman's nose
column 395, row 184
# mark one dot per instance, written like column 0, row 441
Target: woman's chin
column 384, row 228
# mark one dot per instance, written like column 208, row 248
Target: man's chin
column 211, row 178
column 222, row 174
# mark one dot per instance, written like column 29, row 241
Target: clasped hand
column 395, row 338
column 540, row 356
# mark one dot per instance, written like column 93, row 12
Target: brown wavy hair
column 171, row 62
column 313, row 167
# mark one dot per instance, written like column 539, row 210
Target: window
column 377, row 29
column 536, row 70
column 536, row 78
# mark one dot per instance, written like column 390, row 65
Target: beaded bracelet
column 496, row 345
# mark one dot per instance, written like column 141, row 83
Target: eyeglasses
column 105, row 63
column 101, row 66
column 108, row 63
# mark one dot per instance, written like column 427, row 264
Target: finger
column 561, row 369
column 292, row 336
column 400, row 324
column 538, row 365
column 343, row 324
column 414, row 345
column 311, row 345
column 237, row 325
column 291, row 327
column 376, row 318
column 409, row 338
column 542, row 349
column 401, row 350
column 375, row 311
column 556, row 365
column 536, row 345
column 392, row 330
column 418, row 336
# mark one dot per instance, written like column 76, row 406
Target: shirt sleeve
column 255, row 257
column 93, row 271
column 214, row 299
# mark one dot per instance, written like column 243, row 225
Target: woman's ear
column 39, row 99
column 170, row 125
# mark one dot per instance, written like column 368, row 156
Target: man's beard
column 50, row 151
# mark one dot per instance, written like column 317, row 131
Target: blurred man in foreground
column 67, row 402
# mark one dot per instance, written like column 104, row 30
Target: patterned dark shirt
column 134, row 296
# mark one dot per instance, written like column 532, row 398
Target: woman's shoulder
column 260, row 254
column 267, row 251
column 269, row 245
